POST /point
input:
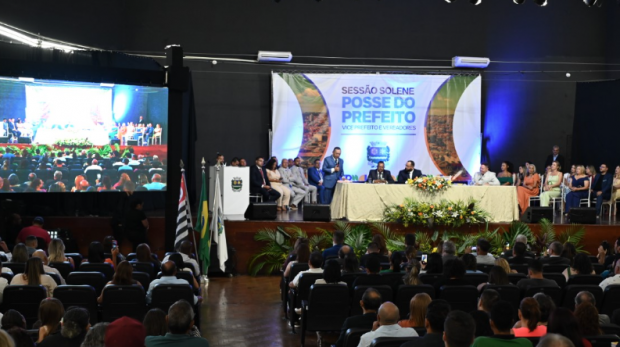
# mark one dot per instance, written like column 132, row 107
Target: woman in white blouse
column 275, row 181
column 34, row 276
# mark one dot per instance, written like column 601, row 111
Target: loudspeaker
column 317, row 213
column 132, row 142
column 24, row 140
column 261, row 211
column 115, row 141
column 582, row 215
column 535, row 214
column 4, row 139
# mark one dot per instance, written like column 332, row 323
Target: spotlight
column 591, row 3
column 452, row 1
column 541, row 2
column 518, row 2
column 475, row 2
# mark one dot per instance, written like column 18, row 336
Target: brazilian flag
column 203, row 227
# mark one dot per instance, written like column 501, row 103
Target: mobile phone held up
column 424, row 258
column 114, row 244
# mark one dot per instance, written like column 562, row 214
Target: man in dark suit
column 141, row 120
column 259, row 183
column 13, row 129
column 315, row 178
column 146, row 136
column 555, row 156
column 518, row 255
column 555, row 258
column 333, row 169
column 380, row 175
column 436, row 314
column 409, row 172
column 601, row 187
column 372, row 277
column 371, row 300
column 338, row 239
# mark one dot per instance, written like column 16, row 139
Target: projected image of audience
column 61, row 136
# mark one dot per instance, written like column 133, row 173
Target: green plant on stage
column 574, row 234
column 543, row 237
column 357, row 236
column 444, row 213
column 517, row 228
column 494, row 237
column 393, row 241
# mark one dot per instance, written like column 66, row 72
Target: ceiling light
column 541, row 2
column 591, row 3
column 518, row 2
column 475, row 2
column 277, row 57
column 452, row 1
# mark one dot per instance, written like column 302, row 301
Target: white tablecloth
column 366, row 202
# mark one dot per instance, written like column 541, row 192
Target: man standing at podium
column 333, row 171
column 259, row 183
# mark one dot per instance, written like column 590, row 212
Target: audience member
column 373, row 252
column 471, row 266
column 185, row 249
column 97, row 256
column 31, row 244
column 293, row 254
column 588, row 319
column 581, row 266
column 122, row 277
column 351, row 264
column 570, row 251
column 6, row 339
column 20, row 337
column 417, row 311
column 386, row 325
column 503, row 263
column 535, row 277
column 395, row 261
column 47, row 269
column 502, row 320
column 127, row 332
column 586, row 296
column 155, row 322
column 51, row 311
column 168, row 276
column 497, row 276
column 136, row 223
column 143, row 254
column 95, row 337
column 453, row 273
column 436, row 314
column 483, row 247
column 302, row 255
column 380, row 241
column 518, row 254
column 56, row 251
column 546, row 305
column 36, row 229
column 459, row 328
column 615, row 279
column 488, row 298
column 371, row 300
column 563, row 322
column 554, row 340
column 34, row 276
column 331, row 273
column 180, row 321
column 413, row 273
column 483, row 324
column 343, row 253
column 338, row 242
column 519, row 238
column 434, row 264
column 448, row 251
column 75, row 325
column 529, row 316
column 11, row 318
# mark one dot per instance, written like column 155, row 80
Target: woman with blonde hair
column 579, row 186
column 417, row 311
column 530, row 188
column 412, row 276
column 275, row 181
column 56, row 250
column 121, row 181
column 552, row 186
column 76, row 183
column 503, row 263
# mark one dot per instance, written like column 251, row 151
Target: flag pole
column 205, row 272
column 192, row 229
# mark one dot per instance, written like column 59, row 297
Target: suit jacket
column 559, row 159
column 287, row 176
column 428, row 340
column 374, row 174
column 606, row 183
column 315, row 176
column 382, row 258
column 363, row 322
column 256, row 180
column 11, row 126
column 489, row 177
column 555, row 261
column 403, row 175
column 298, row 172
column 331, row 178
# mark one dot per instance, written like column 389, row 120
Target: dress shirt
column 609, row 281
column 296, row 279
column 262, row 174
column 487, row 259
column 187, row 260
column 393, row 330
column 166, row 280
column 489, row 177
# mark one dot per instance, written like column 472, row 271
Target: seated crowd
column 70, row 171
column 45, row 264
column 536, row 315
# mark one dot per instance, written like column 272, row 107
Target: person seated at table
column 485, row 177
column 380, row 174
column 409, row 172
column 530, row 188
column 552, row 186
column 506, row 177
column 579, row 186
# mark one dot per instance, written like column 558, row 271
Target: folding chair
column 587, row 201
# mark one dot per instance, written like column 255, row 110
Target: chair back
column 327, row 308
column 571, row 291
column 611, row 300
column 130, row 256
column 106, row 269
column 7, row 276
column 394, row 279
column 25, row 300
column 358, row 292
column 80, row 296
column 559, row 268
column 391, row 341
column 143, row 278
column 584, row 279
column 119, row 301
column 557, row 277
column 77, row 258
column 603, row 340
column 507, row 292
column 297, row 268
column 464, row 298
column 146, row 267
column 352, row 337
column 598, row 268
column 486, row 268
column 306, row 280
column 185, row 275
column 406, row 292
column 63, row 267
column 17, row 268
column 610, row 329
column 476, row 278
column 164, row 295
column 349, row 278
column 515, row 278
column 96, row 280
column 521, row 268
column 55, row 277
column 430, row 278
column 554, row 292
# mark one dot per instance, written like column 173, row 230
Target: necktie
column 263, row 176
column 336, row 161
column 380, row 175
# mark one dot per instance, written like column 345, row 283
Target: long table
column 366, row 202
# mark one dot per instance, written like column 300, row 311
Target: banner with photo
column 433, row 120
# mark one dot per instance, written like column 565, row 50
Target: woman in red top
column 529, row 315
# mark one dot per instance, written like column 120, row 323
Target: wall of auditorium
column 528, row 104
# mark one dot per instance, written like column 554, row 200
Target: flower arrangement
column 430, row 184
column 74, row 142
column 444, row 213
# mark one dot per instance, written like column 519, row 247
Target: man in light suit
column 485, row 177
column 409, row 172
column 298, row 172
column 298, row 191
column 315, row 178
column 334, row 172
column 380, row 174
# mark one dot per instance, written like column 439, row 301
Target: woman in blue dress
column 579, row 186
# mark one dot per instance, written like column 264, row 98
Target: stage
column 240, row 233
column 148, row 151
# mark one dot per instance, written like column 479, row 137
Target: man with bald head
column 386, row 325
column 155, row 183
column 168, row 276
column 39, row 253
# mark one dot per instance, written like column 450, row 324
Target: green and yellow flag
column 203, row 227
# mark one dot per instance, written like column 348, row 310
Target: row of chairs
column 118, row 300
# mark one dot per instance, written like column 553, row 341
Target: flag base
column 204, row 279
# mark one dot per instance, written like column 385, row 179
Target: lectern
column 234, row 187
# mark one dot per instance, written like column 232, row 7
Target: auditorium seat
column 464, row 298
column 610, row 329
column 55, row 277
column 164, row 295
column 476, row 278
column 521, row 268
column 508, row 292
column 349, row 278
column 77, row 258
column 358, row 292
column 7, row 276
column 393, row 279
column 130, row 256
column 584, row 279
column 143, row 278
column 554, row 268
column 326, row 309
column 406, row 292
column 25, row 300
column 430, row 278
column 598, row 268
column 611, row 300
column 106, row 269
column 80, row 296
column 515, row 278
column 571, row 290
column 17, row 268
column 554, row 292
column 64, row 268
column 120, row 301
column 144, row 267
column 486, row 268
column 603, row 340
column 296, row 295
column 391, row 341
column 94, row 279
column 559, row 278
column 353, row 336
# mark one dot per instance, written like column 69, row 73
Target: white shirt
column 485, row 259
column 610, row 281
column 188, row 260
column 296, row 279
column 166, row 280
column 3, row 284
column 489, row 177
column 93, row 167
column 393, row 330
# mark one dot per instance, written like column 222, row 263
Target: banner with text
column 433, row 120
